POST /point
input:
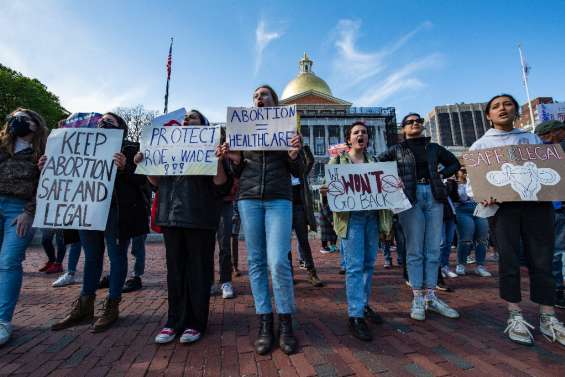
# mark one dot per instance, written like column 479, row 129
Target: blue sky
column 413, row 55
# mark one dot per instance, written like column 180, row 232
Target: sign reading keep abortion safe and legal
column 365, row 187
column 261, row 128
column 76, row 184
column 169, row 148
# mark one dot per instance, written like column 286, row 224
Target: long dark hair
column 489, row 103
column 350, row 128
column 8, row 140
column 270, row 89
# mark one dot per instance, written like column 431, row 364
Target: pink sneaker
column 166, row 335
column 190, row 336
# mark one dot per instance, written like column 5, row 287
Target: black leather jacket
column 436, row 154
column 266, row 175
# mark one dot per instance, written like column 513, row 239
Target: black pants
column 224, row 242
column 190, row 263
column 301, row 229
column 530, row 224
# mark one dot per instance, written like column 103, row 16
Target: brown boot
column 314, row 279
column 82, row 311
column 110, row 314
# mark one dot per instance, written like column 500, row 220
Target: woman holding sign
column 359, row 235
column 188, row 212
column 127, row 218
column 522, row 225
column 418, row 167
column 22, row 142
column 265, row 208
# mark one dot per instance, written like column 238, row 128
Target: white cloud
column 262, row 39
column 354, row 68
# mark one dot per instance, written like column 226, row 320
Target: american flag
column 170, row 60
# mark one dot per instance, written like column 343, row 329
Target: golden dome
column 305, row 81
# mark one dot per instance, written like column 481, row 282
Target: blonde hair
column 7, row 139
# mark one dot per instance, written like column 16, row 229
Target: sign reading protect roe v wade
column 261, row 128
column 75, row 187
column 517, row 173
column 365, row 187
column 169, row 148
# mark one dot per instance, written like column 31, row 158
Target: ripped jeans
column 472, row 232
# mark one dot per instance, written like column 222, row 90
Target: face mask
column 19, row 126
column 105, row 124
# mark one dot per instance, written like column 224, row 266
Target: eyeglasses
column 413, row 121
column 103, row 123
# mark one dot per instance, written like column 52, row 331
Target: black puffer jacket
column 192, row 202
column 436, row 154
column 266, row 175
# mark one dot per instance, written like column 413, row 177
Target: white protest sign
column 261, row 128
column 178, row 150
column 365, row 187
column 76, row 184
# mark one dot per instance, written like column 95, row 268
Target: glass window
column 319, row 141
column 334, row 135
column 305, row 131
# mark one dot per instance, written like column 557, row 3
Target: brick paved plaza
column 470, row 346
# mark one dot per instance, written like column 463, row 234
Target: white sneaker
column 325, row 250
column 166, row 335
column 518, row 329
column 470, row 259
column 482, row 272
column 447, row 273
column 63, row 280
column 552, row 329
column 460, row 269
column 434, row 304
column 5, row 332
column 418, row 310
column 227, row 290
column 190, row 336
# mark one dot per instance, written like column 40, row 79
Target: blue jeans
column 447, row 235
column 74, row 255
column 421, row 225
column 471, row 231
column 138, row 252
column 12, row 254
column 559, row 252
column 267, row 225
column 93, row 243
column 359, row 252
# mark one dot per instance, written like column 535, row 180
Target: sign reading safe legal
column 365, row 187
column 76, row 184
column 261, row 128
column 169, row 148
column 517, row 173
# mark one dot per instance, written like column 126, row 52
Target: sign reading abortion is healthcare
column 261, row 128
column 365, row 187
column 169, row 148
column 76, row 184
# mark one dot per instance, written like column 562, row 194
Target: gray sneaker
column 434, row 304
column 552, row 329
column 5, row 332
column 518, row 329
column 482, row 271
column 418, row 311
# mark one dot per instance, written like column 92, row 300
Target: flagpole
column 169, row 66
column 525, row 69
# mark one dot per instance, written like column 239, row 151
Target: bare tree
column 137, row 118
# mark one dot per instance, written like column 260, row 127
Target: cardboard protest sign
column 365, row 187
column 82, row 120
column 517, row 173
column 178, row 150
column 76, row 184
column 261, row 128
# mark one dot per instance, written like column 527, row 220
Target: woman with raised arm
column 419, row 162
column 127, row 218
column 359, row 235
column 522, row 225
column 265, row 208
column 22, row 142
column 188, row 212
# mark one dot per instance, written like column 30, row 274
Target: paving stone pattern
column 471, row 346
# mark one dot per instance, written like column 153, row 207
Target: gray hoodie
column 497, row 138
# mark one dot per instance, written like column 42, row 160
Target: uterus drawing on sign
column 335, row 187
column 526, row 180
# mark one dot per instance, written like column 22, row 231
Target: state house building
column 323, row 117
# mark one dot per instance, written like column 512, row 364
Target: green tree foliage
column 16, row 90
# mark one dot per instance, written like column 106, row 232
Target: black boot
column 359, row 329
column 287, row 340
column 266, row 336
